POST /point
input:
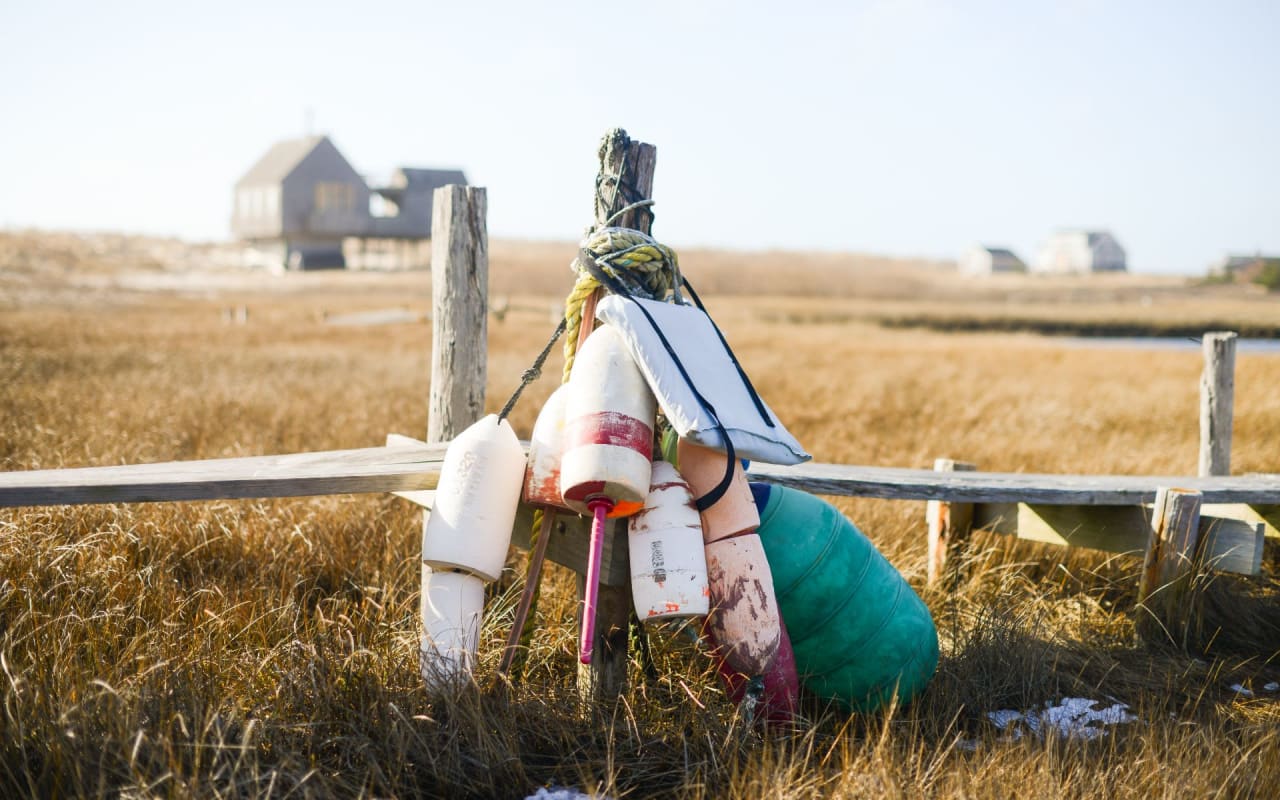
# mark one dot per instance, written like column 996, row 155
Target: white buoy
column 609, row 414
column 452, row 604
column 668, row 564
column 546, row 445
column 744, row 611
column 469, row 526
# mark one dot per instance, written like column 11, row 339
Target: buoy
column 451, row 607
column 608, row 444
column 609, row 414
column 744, row 617
column 735, row 512
column 469, row 526
column 861, row 635
column 668, row 565
column 546, row 445
column 779, row 686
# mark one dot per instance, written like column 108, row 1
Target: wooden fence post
column 1171, row 562
column 625, row 177
column 949, row 524
column 459, row 296
column 1217, row 394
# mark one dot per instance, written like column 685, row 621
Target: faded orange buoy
column 668, row 564
column 735, row 512
column 469, row 526
column 546, row 444
column 744, row 616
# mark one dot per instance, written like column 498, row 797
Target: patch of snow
column 1073, row 718
column 1240, row 690
column 563, row 793
column 1272, row 687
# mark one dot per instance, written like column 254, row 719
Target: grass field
column 268, row 648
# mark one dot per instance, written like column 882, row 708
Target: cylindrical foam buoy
column 861, row 635
column 546, row 445
column 744, row 617
column 780, row 698
column 609, row 417
column 668, row 565
column 469, row 527
column 451, row 607
column 704, row 469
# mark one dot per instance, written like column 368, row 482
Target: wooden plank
column 1266, row 516
column 459, row 297
column 949, row 524
column 895, row 483
column 569, row 543
column 420, row 497
column 1169, row 565
column 1229, row 545
column 371, row 469
column 1217, row 395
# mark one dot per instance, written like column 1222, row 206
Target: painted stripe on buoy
column 610, row 428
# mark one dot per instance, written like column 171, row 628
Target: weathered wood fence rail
column 1108, row 512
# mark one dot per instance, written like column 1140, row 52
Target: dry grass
column 269, row 648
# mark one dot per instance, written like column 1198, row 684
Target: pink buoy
column 704, row 468
column 668, row 564
column 744, row 617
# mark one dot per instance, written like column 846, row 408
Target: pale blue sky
column 907, row 128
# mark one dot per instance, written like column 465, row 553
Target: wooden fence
column 1181, row 523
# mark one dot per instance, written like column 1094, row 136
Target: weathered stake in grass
column 625, row 177
column 949, row 523
column 1217, row 395
column 459, row 298
column 1172, row 559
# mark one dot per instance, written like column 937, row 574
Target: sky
column 911, row 128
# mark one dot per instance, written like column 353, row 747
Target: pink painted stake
column 600, row 506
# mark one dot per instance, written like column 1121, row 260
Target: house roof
column 279, row 161
column 999, row 251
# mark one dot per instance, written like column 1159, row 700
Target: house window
column 334, row 196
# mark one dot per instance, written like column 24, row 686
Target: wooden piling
column 949, row 524
column 459, row 300
column 1217, row 394
column 1172, row 559
column 625, row 177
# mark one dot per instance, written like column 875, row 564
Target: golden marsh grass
column 268, row 648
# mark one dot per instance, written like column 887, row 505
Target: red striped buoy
column 608, row 446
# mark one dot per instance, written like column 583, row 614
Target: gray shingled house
column 303, row 206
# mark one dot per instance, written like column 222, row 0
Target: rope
column 532, row 373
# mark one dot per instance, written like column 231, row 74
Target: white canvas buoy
column 546, row 444
column 451, row 605
column 668, row 564
column 469, row 526
column 744, row 611
column 609, row 415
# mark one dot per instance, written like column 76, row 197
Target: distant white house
column 983, row 260
column 1077, row 251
